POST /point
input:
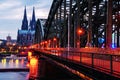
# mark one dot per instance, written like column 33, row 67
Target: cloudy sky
column 11, row 14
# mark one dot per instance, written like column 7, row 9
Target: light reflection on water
column 13, row 63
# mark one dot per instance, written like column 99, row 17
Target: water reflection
column 13, row 63
column 6, row 63
column 33, row 67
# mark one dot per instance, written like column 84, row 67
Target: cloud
column 9, row 9
column 8, row 4
column 16, row 9
column 12, row 11
column 40, row 10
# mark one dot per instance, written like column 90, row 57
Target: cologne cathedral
column 25, row 36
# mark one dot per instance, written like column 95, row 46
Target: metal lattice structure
column 98, row 19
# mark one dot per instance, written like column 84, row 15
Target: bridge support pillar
column 89, row 36
column 48, row 70
column 109, row 25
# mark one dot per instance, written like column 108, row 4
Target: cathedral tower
column 33, row 21
column 24, row 21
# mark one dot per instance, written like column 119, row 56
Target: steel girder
column 91, row 16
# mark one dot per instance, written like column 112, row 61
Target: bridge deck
column 106, row 63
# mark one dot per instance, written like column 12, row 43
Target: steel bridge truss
column 99, row 21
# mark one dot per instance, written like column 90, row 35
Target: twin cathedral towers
column 25, row 36
column 25, row 25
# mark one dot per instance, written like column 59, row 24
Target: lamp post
column 46, row 44
column 68, row 44
column 81, row 32
column 88, row 44
column 49, row 43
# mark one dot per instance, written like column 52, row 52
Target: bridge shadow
column 48, row 70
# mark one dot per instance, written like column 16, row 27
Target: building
column 8, row 39
column 25, row 36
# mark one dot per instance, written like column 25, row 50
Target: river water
column 37, row 67
column 6, row 63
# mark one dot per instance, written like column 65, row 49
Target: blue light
column 101, row 40
column 113, row 45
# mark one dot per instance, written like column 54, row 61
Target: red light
column 49, row 41
column 54, row 39
column 22, row 52
column 45, row 42
column 41, row 43
column 28, row 65
column 80, row 31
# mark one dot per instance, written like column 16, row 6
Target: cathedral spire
column 33, row 21
column 33, row 15
column 25, row 21
column 25, row 14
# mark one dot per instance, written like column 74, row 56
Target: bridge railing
column 107, row 61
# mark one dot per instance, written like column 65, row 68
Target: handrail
column 90, row 50
column 107, row 62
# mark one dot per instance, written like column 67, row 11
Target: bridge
column 82, row 37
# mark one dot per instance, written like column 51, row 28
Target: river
column 7, row 63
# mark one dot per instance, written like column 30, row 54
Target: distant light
column 45, row 42
column 17, row 62
column 22, row 52
column 29, row 55
column 49, row 41
column 33, row 61
column 113, row 46
column 28, row 65
column 4, row 61
column 25, row 47
column 14, row 44
column 54, row 39
column 101, row 40
column 86, row 46
column 80, row 31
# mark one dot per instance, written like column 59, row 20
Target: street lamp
column 79, row 32
column 46, row 44
column 54, row 42
column 49, row 43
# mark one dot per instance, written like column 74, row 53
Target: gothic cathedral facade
column 25, row 36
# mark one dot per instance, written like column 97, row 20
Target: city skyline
column 11, row 15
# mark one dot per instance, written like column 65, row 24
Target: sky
column 12, row 11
